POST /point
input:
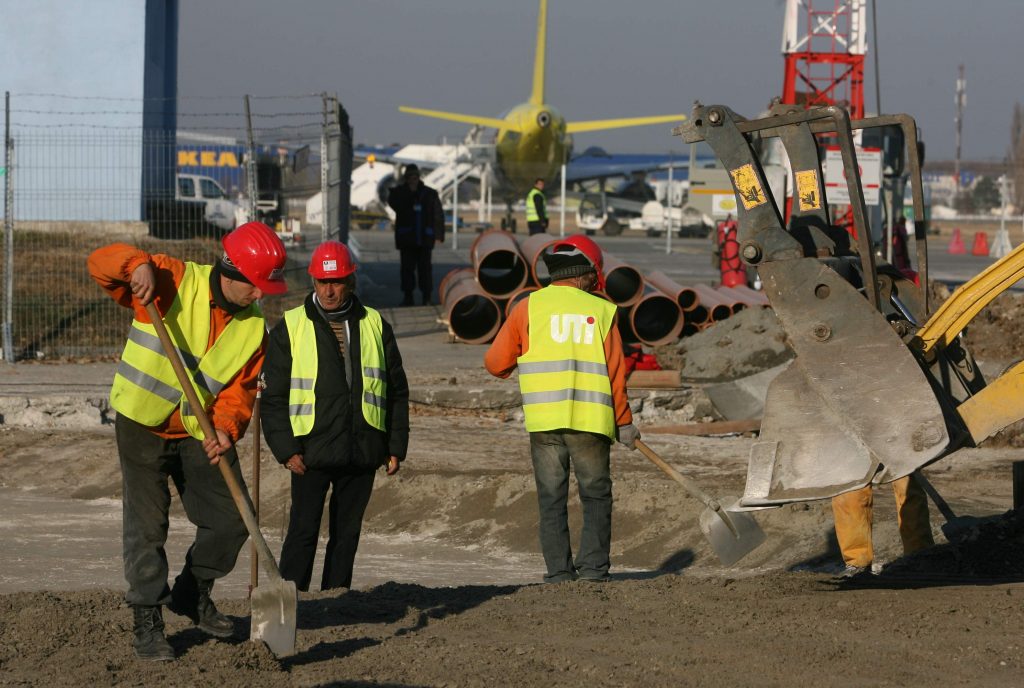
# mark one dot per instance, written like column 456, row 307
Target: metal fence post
column 252, row 189
column 8, row 335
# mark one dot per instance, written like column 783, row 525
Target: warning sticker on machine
column 807, row 190
column 748, row 187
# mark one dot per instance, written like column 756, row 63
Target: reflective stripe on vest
column 145, row 387
column 531, row 206
column 306, row 363
column 563, row 376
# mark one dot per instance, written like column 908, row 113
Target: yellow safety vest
column 531, row 207
column 305, row 365
column 145, row 387
column 563, row 376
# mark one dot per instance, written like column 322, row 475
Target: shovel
column 731, row 534
column 273, row 604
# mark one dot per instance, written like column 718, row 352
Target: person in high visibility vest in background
column 219, row 330
column 572, row 376
column 536, row 209
column 335, row 409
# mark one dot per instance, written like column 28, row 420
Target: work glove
column 628, row 435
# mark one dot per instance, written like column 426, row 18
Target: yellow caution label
column 748, row 187
column 807, row 194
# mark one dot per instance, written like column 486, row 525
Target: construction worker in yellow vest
column 536, row 209
column 565, row 344
column 334, row 411
column 219, row 330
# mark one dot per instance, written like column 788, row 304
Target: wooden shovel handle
column 254, row 428
column 269, row 563
column 688, row 484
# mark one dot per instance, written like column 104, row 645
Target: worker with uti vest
column 335, row 409
column 212, row 315
column 572, row 377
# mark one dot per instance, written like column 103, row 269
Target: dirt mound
column 749, row 342
column 992, row 548
column 997, row 333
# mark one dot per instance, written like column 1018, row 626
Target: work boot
column 210, row 620
column 426, row 298
column 407, row 301
column 190, row 597
column 150, row 643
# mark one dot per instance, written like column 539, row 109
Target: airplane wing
column 599, row 124
column 492, row 122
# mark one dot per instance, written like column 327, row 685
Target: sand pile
column 992, row 548
column 749, row 342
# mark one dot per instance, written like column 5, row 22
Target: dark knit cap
column 566, row 263
column 228, row 269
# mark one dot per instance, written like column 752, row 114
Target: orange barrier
column 956, row 244
column 980, row 247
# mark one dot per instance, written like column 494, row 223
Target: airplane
column 533, row 140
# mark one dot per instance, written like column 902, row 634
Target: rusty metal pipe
column 471, row 313
column 719, row 308
column 533, row 248
column 517, row 297
column 656, row 318
column 745, row 294
column 697, row 316
column 500, row 268
column 684, row 296
column 623, row 283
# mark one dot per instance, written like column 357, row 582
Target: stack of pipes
column 653, row 311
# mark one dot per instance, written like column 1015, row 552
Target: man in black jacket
column 419, row 224
column 335, row 409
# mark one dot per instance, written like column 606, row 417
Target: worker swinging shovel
column 273, row 604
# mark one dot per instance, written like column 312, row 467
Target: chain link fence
column 79, row 178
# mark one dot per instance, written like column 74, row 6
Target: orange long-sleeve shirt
column 112, row 267
column 513, row 341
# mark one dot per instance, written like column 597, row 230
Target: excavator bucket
column 875, row 391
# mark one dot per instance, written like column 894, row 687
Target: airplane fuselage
column 536, row 150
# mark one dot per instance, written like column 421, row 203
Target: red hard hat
column 588, row 247
column 331, row 260
column 258, row 253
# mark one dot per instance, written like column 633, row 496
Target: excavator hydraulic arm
column 877, row 390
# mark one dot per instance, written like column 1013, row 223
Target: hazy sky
column 605, row 59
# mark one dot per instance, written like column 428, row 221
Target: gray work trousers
column 589, row 453
column 147, row 461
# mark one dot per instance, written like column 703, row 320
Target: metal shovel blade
column 730, row 546
column 273, row 615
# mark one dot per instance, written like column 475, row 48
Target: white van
column 219, row 210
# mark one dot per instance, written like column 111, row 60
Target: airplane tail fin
column 601, row 124
column 492, row 122
column 537, row 92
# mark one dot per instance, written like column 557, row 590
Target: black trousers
column 350, row 493
column 147, row 461
column 415, row 262
column 537, row 227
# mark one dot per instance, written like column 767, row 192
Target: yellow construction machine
column 880, row 385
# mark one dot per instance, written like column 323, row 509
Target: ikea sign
column 207, row 158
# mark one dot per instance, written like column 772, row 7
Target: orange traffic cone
column 956, row 244
column 980, row 247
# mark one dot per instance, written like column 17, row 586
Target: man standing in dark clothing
column 335, row 409
column 419, row 224
column 536, row 210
